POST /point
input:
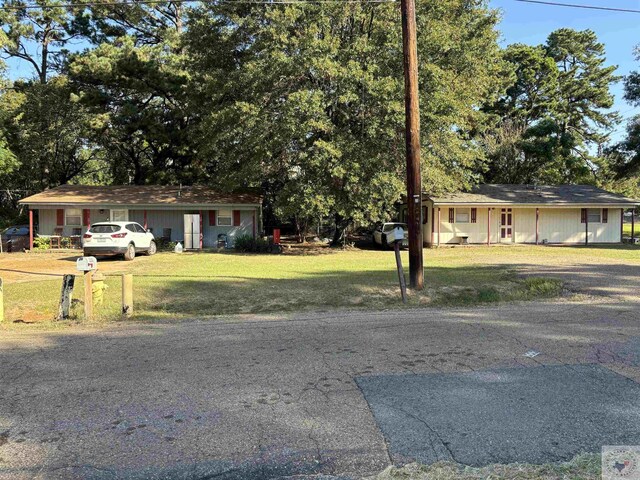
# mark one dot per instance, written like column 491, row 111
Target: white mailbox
column 398, row 234
column 86, row 264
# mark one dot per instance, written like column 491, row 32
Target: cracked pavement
column 271, row 397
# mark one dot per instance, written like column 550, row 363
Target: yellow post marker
column 127, row 295
column 88, row 295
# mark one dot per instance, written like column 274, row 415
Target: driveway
column 263, row 397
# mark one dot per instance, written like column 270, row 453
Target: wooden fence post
column 88, row 295
column 66, row 296
column 1, row 301
column 127, row 295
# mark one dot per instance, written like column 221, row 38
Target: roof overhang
column 139, row 206
column 537, row 205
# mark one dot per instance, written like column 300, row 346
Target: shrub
column 164, row 245
column 246, row 243
column 41, row 243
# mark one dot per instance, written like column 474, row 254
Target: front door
column 506, row 225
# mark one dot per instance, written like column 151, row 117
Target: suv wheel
column 131, row 253
column 152, row 248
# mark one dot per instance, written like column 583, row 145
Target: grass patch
column 203, row 285
column 582, row 467
column 508, row 289
column 626, row 230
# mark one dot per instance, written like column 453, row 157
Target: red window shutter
column 451, row 215
column 474, row 215
column 605, row 215
column 583, row 215
column 212, row 218
column 236, row 218
column 59, row 217
column 86, row 217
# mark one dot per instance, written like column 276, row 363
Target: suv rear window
column 105, row 228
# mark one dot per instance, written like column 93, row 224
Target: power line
column 574, row 5
column 155, row 2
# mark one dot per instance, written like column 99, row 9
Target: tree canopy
column 304, row 101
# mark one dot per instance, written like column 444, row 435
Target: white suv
column 118, row 238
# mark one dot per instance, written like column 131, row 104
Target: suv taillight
column 118, row 235
column 86, row 235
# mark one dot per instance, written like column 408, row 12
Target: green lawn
column 626, row 229
column 175, row 286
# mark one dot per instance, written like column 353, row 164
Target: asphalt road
column 274, row 397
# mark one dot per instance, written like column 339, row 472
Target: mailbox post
column 87, row 265
column 398, row 238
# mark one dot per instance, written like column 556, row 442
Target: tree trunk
column 339, row 234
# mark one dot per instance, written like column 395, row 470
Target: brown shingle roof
column 134, row 195
column 540, row 194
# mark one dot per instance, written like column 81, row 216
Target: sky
column 619, row 32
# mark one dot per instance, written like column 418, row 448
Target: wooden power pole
column 412, row 136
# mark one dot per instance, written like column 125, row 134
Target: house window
column 225, row 218
column 73, row 216
column 593, row 215
column 463, row 215
column 119, row 215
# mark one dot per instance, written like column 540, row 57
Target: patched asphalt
column 276, row 396
column 533, row 415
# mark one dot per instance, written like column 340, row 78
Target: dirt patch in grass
column 583, row 467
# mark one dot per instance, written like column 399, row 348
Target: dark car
column 15, row 238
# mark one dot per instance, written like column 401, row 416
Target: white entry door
column 506, row 225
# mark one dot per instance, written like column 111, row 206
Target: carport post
column 439, row 217
column 489, row 226
column 633, row 225
column 201, row 239
column 30, row 230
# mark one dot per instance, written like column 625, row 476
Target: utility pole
column 412, row 137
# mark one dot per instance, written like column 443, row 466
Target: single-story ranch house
column 563, row 214
column 168, row 211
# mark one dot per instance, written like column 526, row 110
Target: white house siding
column 476, row 232
column 556, row 225
column 564, row 226
column 524, row 223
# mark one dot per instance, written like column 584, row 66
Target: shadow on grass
column 452, row 286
